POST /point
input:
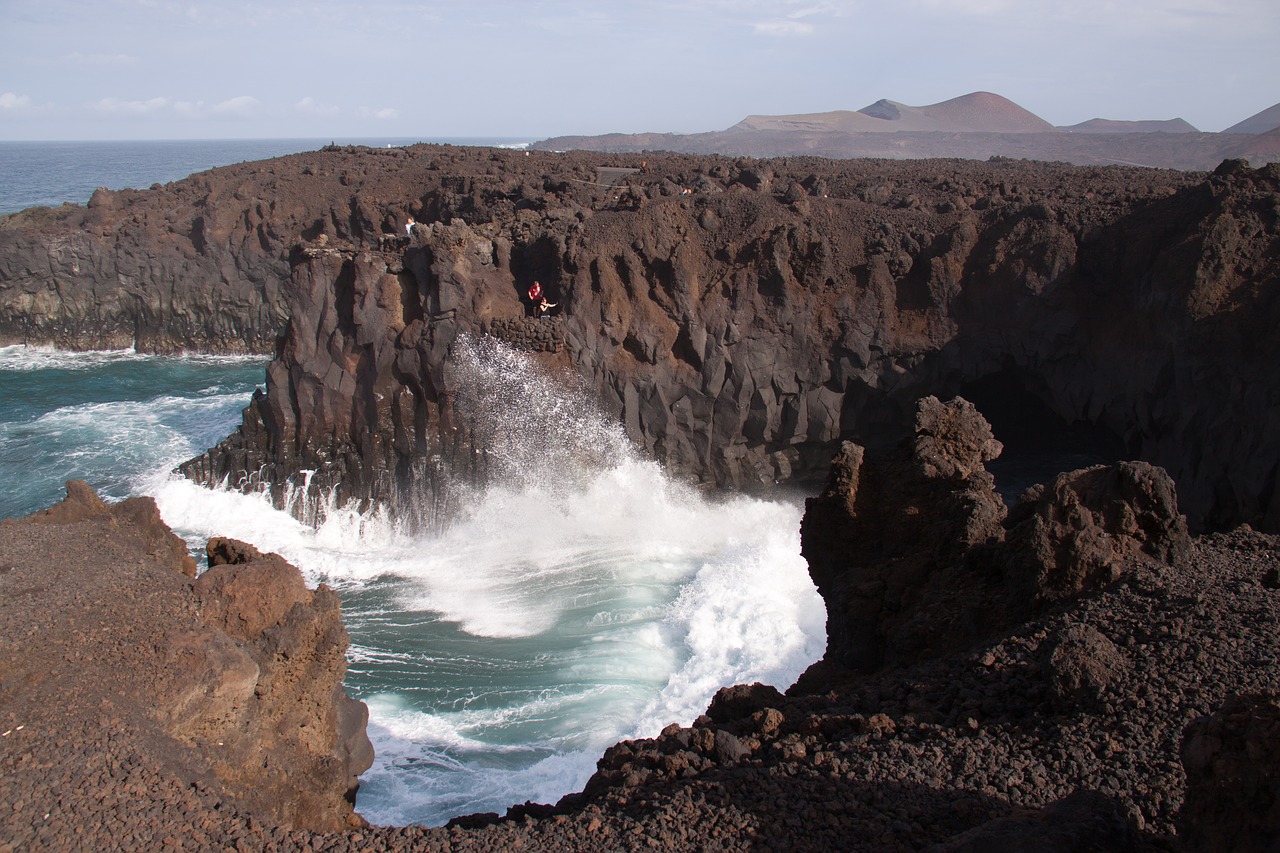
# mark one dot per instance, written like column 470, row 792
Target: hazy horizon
column 116, row 70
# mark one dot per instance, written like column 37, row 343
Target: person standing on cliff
column 535, row 297
column 408, row 227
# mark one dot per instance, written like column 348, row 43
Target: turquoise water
column 111, row 418
column 580, row 599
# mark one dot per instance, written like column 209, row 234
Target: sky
column 168, row 69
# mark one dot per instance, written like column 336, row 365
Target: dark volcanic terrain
column 739, row 317
column 1061, row 675
column 1084, row 711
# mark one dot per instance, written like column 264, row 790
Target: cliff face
column 741, row 318
column 742, row 329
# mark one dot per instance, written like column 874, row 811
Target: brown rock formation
column 234, row 677
column 914, row 556
column 740, row 337
column 1088, row 527
column 886, row 540
column 290, row 728
column 740, row 330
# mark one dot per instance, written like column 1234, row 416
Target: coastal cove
column 485, row 688
column 583, row 596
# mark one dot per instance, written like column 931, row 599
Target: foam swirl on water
column 580, row 598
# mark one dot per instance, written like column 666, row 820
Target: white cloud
column 115, row 105
column 10, row 101
column 242, row 105
column 311, row 106
column 383, row 114
column 820, row 9
column 783, row 28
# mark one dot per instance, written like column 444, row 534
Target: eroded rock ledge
column 127, row 685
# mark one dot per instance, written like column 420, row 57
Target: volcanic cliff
column 129, row 686
column 1059, row 674
column 741, row 318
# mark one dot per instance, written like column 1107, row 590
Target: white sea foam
column 30, row 357
column 40, row 357
column 582, row 598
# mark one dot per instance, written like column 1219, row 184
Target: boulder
column 742, row 700
column 1081, row 664
column 1232, row 761
column 1089, row 527
column 887, row 540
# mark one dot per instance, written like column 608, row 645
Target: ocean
column 580, row 598
column 52, row 173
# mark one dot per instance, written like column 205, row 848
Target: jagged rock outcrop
column 886, row 540
column 233, row 678
column 741, row 318
column 914, row 555
column 1088, row 527
column 286, row 727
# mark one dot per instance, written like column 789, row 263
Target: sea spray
column 579, row 598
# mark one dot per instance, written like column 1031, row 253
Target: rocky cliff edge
column 1077, row 675
column 741, row 320
column 129, row 685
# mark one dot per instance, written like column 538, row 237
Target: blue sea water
column 111, row 418
column 51, row 173
column 581, row 598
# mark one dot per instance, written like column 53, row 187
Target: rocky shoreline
column 740, row 331
column 1129, row 707
column 1077, row 672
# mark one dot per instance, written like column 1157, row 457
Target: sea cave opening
column 1039, row 443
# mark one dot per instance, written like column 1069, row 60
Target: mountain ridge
column 974, row 112
column 976, row 126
